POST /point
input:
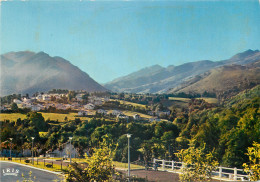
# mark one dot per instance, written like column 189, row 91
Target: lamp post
column 70, row 138
column 11, row 139
column 32, row 148
column 128, row 136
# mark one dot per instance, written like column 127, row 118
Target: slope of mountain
column 244, row 96
column 29, row 72
column 160, row 80
column 224, row 81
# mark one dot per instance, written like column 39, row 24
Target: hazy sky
column 112, row 39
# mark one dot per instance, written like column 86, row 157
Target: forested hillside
column 227, row 130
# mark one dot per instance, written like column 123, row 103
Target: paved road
column 37, row 175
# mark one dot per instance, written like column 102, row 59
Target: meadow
column 50, row 116
column 207, row 99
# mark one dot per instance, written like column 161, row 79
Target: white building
column 102, row 111
column 116, row 112
column 39, row 97
column 17, row 101
column 89, row 106
column 136, row 117
column 46, row 97
column 122, row 116
column 35, row 107
column 82, row 113
column 65, row 152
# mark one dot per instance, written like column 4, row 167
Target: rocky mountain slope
column 224, row 81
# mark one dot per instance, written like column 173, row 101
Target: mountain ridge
column 172, row 76
column 29, row 72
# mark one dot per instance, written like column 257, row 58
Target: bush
column 27, row 161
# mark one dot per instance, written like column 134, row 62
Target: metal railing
column 231, row 173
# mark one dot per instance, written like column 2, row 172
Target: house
column 65, row 151
column 27, row 100
column 122, row 116
column 61, row 106
column 136, row 117
column 46, row 97
column 116, row 112
column 89, row 106
column 79, row 97
column 17, row 101
column 39, row 97
column 166, row 113
column 102, row 111
column 105, row 99
column 82, row 113
column 35, row 108
column 98, row 102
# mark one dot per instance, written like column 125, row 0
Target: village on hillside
column 87, row 105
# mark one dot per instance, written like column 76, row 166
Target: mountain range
column 157, row 79
column 29, row 72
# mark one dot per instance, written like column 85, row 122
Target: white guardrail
column 231, row 173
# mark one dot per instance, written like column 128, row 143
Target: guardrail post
column 172, row 165
column 154, row 160
column 44, row 162
column 235, row 173
column 220, row 172
column 163, row 164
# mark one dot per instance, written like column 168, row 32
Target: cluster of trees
column 9, row 99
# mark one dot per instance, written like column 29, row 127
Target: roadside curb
column 40, row 169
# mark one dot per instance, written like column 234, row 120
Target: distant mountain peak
column 29, row 72
column 245, row 53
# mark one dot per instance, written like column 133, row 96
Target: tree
column 37, row 121
column 253, row 168
column 14, row 107
column 99, row 166
column 198, row 165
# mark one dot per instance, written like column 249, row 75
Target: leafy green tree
column 99, row 166
column 37, row 121
column 14, row 107
column 253, row 168
column 198, row 165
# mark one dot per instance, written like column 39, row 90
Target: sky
column 109, row 39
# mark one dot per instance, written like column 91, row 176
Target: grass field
column 179, row 99
column 59, row 168
column 130, row 113
column 129, row 103
column 51, row 116
column 61, row 117
column 11, row 117
column 207, row 99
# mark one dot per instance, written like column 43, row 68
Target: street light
column 128, row 136
column 32, row 148
column 11, row 148
column 70, row 138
